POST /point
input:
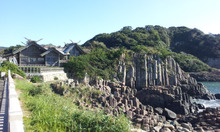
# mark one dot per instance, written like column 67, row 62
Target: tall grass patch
column 51, row 112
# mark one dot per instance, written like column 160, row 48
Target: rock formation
column 116, row 98
column 146, row 81
column 162, row 83
column 213, row 76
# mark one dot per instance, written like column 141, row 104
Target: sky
column 63, row 21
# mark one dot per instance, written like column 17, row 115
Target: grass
column 49, row 112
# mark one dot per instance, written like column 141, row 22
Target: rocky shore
column 120, row 99
column 155, row 95
column 213, row 76
column 208, row 120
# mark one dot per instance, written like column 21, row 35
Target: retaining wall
column 14, row 109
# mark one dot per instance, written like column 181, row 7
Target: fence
column 34, row 69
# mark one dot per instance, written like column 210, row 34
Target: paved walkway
column 4, row 107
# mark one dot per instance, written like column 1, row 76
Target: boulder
column 165, row 130
column 159, row 110
column 171, row 127
column 129, row 114
column 185, row 130
column 187, row 126
column 157, row 128
column 169, row 114
column 112, row 101
column 217, row 96
column 199, row 129
column 201, row 106
column 208, row 97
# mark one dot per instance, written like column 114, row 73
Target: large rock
column 159, row 110
column 217, row 96
column 201, row 106
column 208, row 97
column 161, row 84
column 169, row 114
column 187, row 126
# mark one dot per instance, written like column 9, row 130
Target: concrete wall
column 14, row 109
column 47, row 73
column 49, row 76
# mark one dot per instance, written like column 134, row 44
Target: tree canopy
column 185, row 45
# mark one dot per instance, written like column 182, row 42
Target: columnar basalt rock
column 121, row 99
column 163, row 83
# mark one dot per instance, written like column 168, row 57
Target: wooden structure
column 36, row 55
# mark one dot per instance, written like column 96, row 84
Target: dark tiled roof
column 50, row 50
column 69, row 47
column 30, row 44
column 64, row 51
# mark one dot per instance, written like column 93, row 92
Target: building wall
column 49, row 76
column 74, row 52
column 52, row 59
column 31, row 55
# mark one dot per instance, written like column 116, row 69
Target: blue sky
column 59, row 21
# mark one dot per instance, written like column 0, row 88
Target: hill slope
column 184, row 44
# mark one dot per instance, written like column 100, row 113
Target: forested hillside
column 185, row 45
column 1, row 50
column 9, row 50
column 178, row 39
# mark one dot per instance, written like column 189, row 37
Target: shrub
column 190, row 63
column 6, row 65
column 56, row 78
column 99, row 62
column 35, row 79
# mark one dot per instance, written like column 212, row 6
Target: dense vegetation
column 195, row 42
column 2, row 48
column 190, row 63
column 185, row 45
column 10, row 49
column 178, row 39
column 6, row 65
column 47, row 111
column 100, row 62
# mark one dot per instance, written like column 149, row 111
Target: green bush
column 56, row 78
column 35, row 79
column 190, row 63
column 6, row 65
column 99, row 62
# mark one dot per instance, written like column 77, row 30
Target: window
column 33, row 59
column 24, row 59
column 40, row 59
